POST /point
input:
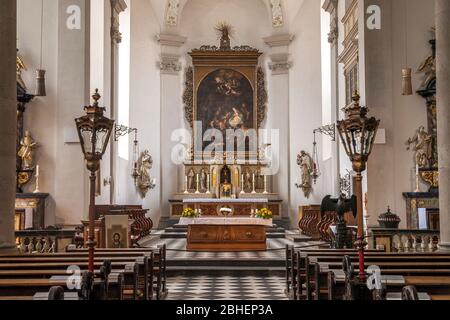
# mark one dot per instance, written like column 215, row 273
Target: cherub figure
column 422, row 148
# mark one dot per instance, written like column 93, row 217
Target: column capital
column 279, row 53
column 170, row 53
column 170, row 64
column 117, row 6
column 330, row 6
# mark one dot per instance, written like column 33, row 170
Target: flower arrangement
column 264, row 213
column 189, row 213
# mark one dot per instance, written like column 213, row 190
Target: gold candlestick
column 36, row 190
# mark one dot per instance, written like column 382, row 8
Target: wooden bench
column 309, row 272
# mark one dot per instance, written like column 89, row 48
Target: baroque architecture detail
column 170, row 65
column 280, row 67
column 172, row 12
column 277, row 13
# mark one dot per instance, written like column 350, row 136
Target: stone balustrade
column 404, row 240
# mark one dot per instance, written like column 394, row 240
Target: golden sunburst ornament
column 224, row 32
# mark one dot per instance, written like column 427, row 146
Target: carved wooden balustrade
column 404, row 240
column 46, row 241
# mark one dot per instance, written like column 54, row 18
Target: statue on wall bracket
column 306, row 164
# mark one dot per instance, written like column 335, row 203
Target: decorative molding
column 281, row 40
column 330, row 6
column 171, row 40
column 188, row 96
column 280, row 67
column 262, row 97
column 209, row 48
column 277, row 13
column 172, row 12
column 170, row 64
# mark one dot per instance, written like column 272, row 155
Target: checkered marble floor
column 226, row 288
column 176, row 250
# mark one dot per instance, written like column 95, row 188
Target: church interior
column 225, row 150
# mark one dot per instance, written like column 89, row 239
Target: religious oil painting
column 225, row 102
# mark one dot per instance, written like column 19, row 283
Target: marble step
column 298, row 238
column 218, row 264
column 183, row 235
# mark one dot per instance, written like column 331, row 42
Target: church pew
column 428, row 261
column 160, row 263
column 123, row 273
column 102, row 282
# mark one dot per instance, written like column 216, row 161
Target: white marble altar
column 227, row 221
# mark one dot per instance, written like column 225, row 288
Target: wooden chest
column 203, row 237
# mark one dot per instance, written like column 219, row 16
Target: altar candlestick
column 208, row 184
column 36, row 190
column 242, row 184
column 253, row 183
column 417, row 179
column 186, row 184
column 198, row 184
column 265, row 185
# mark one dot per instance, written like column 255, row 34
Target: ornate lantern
column 94, row 131
column 358, row 134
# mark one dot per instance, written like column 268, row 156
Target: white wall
column 391, row 165
column 305, row 111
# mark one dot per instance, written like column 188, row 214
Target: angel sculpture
column 20, row 66
column 340, row 206
column 306, row 164
column 422, row 142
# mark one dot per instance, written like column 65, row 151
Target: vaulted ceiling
column 281, row 12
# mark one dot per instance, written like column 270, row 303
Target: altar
column 226, row 234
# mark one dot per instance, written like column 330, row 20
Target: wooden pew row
column 159, row 262
column 99, row 287
column 301, row 286
column 132, row 269
column 157, row 268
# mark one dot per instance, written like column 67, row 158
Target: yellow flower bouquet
column 264, row 213
column 189, row 213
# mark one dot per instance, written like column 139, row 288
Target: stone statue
column 203, row 178
column 306, row 164
column 191, row 180
column 26, row 151
column 144, row 181
column 422, row 148
column 248, row 183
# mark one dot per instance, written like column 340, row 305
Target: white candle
column 37, row 171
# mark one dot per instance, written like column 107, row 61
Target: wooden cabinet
column 226, row 238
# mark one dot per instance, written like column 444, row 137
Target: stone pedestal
column 443, row 116
column 8, row 122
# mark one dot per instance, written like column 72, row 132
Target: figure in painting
column 225, row 101
column 422, row 148
column 26, row 151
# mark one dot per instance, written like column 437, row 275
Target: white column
column 171, row 105
column 117, row 7
column 278, row 113
column 8, row 122
column 443, row 116
column 331, row 6
column 73, row 87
